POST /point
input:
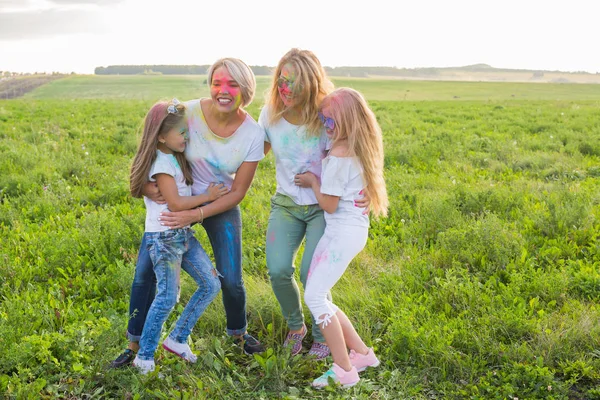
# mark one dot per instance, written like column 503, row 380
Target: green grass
column 482, row 283
column 153, row 87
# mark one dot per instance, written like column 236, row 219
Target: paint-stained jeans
column 289, row 223
column 225, row 234
column 171, row 251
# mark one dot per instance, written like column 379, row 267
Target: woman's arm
column 327, row 202
column 168, row 188
column 267, row 147
column 241, row 184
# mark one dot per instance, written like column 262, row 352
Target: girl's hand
column 151, row 191
column 215, row 191
column 305, row 180
column 363, row 202
column 179, row 219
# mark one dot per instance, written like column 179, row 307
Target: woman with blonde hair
column 299, row 142
column 354, row 162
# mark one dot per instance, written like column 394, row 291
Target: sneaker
column 338, row 375
column 294, row 341
column 179, row 349
column 124, row 359
column 144, row 366
column 319, row 351
column 361, row 361
column 250, row 344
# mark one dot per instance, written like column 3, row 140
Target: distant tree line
column 337, row 71
column 167, row 70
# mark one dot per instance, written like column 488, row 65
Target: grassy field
column 483, row 283
column 152, row 87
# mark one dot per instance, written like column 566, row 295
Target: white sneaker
column 180, row 349
column 144, row 366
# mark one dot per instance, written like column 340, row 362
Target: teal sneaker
column 338, row 375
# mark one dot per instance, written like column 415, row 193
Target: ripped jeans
column 170, row 252
column 338, row 246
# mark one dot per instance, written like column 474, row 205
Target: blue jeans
column 225, row 234
column 171, row 251
column 143, row 290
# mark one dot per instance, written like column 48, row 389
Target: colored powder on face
column 224, row 84
column 237, row 100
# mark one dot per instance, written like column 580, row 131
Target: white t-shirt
column 296, row 152
column 164, row 164
column 217, row 159
column 343, row 177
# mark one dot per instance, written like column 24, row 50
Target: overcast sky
column 79, row 35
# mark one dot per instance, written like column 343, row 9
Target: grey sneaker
column 250, row 344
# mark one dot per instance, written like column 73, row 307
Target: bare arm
column 241, row 184
column 168, row 188
column 243, row 178
column 327, row 202
column 267, row 147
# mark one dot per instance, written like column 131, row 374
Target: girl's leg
column 353, row 341
column 225, row 234
column 284, row 235
column 143, row 290
column 338, row 246
column 166, row 250
column 315, row 226
column 197, row 264
column 334, row 337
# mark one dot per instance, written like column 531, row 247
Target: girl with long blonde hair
column 354, row 162
column 294, row 132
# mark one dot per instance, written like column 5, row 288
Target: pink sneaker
column 361, row 361
column 339, row 375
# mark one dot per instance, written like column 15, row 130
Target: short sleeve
column 257, row 147
column 162, row 165
column 263, row 121
column 335, row 175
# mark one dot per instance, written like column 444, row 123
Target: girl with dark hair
column 160, row 159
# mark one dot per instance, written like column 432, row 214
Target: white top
column 343, row 177
column 216, row 159
column 296, row 151
column 164, row 164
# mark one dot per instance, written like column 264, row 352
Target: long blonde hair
column 355, row 122
column 158, row 121
column 311, row 85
